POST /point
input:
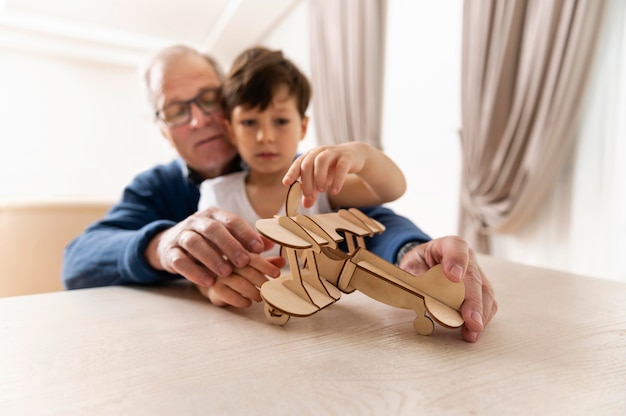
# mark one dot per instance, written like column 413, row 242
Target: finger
column 251, row 275
column 321, row 170
column 179, row 262
column 204, row 290
column 306, row 176
column 229, row 232
column 340, row 171
column 267, row 244
column 204, row 253
column 277, row 261
column 490, row 305
column 472, row 307
column 221, row 295
column 246, row 282
column 413, row 261
column 241, row 287
column 454, row 254
column 293, row 173
column 308, row 201
column 262, row 266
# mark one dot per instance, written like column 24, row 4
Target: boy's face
column 268, row 140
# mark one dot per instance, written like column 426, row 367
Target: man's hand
column 207, row 245
column 459, row 264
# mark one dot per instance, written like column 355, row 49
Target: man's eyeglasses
column 179, row 112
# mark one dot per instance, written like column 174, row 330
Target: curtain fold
column 524, row 70
column 347, row 64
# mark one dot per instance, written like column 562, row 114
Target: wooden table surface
column 556, row 346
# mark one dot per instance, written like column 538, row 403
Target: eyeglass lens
column 179, row 112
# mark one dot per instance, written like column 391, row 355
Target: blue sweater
column 110, row 251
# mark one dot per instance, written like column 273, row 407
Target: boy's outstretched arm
column 353, row 174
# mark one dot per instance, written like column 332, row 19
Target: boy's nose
column 264, row 134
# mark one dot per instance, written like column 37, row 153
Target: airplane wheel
column 423, row 325
column 275, row 316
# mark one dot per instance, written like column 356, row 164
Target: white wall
column 71, row 128
column 421, row 115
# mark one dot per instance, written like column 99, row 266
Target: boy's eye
column 282, row 121
column 247, row 123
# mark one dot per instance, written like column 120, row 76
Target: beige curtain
column 524, row 69
column 347, row 62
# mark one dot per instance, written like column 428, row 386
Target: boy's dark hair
column 254, row 76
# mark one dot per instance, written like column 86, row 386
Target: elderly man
column 154, row 234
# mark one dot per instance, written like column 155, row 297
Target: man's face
column 201, row 141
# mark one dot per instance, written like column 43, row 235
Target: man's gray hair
column 169, row 53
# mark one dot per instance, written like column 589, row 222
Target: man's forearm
column 108, row 256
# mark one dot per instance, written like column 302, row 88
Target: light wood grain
column 557, row 346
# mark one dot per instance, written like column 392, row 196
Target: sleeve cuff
column 405, row 249
column 134, row 265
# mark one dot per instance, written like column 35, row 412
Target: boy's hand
column 324, row 169
column 241, row 287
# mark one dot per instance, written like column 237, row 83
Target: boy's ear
column 305, row 124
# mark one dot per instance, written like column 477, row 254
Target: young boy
column 264, row 99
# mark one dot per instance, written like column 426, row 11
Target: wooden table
column 556, row 346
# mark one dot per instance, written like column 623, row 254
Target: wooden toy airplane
column 320, row 270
